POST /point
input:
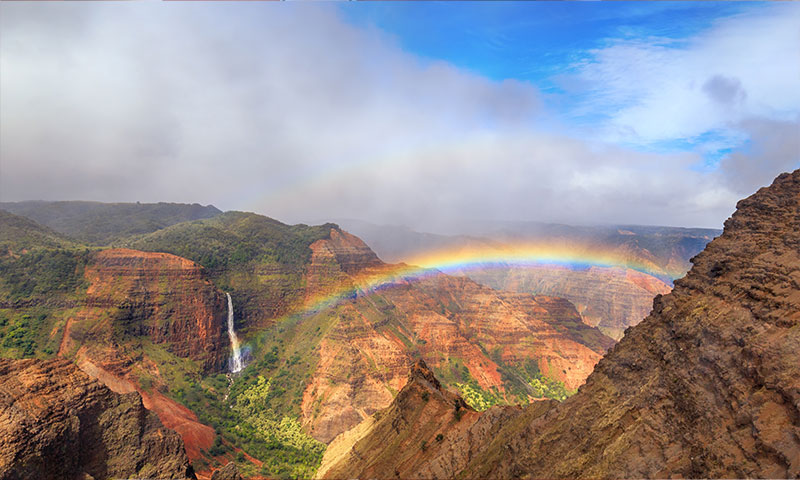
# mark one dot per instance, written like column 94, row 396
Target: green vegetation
column 254, row 414
column 476, row 397
column 279, row 438
column 98, row 223
column 17, row 336
column 456, row 373
column 30, row 332
column 520, row 382
column 261, row 412
column 259, row 260
column 527, row 380
column 19, row 234
column 41, row 281
column 42, row 274
column 235, row 239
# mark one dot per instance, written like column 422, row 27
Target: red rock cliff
column 448, row 321
column 165, row 298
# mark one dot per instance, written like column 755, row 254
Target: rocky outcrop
column 228, row 472
column 446, row 435
column 708, row 386
column 58, row 423
column 350, row 252
column 334, row 260
column 162, row 297
column 610, row 298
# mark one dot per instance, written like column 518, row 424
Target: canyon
column 706, row 386
column 327, row 331
column 160, row 325
column 610, row 297
column 356, row 352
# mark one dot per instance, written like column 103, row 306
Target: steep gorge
column 155, row 323
column 487, row 342
column 707, row 386
column 158, row 296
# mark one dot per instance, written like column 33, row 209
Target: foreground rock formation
column 58, row 423
column 707, row 386
column 427, row 432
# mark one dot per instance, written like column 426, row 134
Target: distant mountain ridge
column 666, row 249
column 610, row 297
column 98, row 223
column 20, row 234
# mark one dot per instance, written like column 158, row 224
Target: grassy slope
column 19, row 234
column 41, row 284
column 98, row 223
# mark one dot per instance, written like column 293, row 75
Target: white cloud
column 718, row 90
column 657, row 90
column 289, row 111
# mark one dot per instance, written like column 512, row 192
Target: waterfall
column 237, row 354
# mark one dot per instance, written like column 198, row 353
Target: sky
column 429, row 115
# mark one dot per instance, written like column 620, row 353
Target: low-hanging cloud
column 290, row 111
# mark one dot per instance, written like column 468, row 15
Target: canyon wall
column 707, row 386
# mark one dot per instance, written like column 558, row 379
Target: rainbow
column 465, row 259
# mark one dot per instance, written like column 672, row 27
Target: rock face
column 349, row 252
column 465, row 331
column 428, row 433
column 334, row 259
column 165, row 298
column 611, row 299
column 707, row 386
column 57, row 423
column 135, row 298
column 228, row 472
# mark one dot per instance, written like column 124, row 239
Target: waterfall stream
column 237, row 354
